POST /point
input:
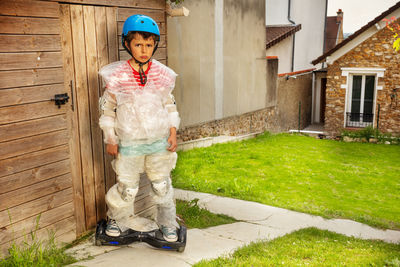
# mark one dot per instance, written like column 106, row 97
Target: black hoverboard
column 153, row 238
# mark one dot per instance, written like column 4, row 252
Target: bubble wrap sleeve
column 173, row 115
column 107, row 119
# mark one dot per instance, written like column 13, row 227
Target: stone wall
column 375, row 52
column 251, row 122
column 290, row 92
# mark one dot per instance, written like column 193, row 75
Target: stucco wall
column 375, row 52
column 310, row 39
column 283, row 50
column 239, row 71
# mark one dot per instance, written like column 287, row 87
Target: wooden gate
column 35, row 155
column 52, row 160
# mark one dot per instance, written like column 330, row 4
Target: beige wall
column 192, row 44
column 283, row 50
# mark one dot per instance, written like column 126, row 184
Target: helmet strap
column 142, row 74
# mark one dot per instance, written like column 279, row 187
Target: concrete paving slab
column 283, row 219
column 203, row 245
column 359, row 230
column 236, row 208
column 88, row 249
column 135, row 255
column 246, row 232
column 292, row 220
column 191, row 195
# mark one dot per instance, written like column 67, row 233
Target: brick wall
column 375, row 52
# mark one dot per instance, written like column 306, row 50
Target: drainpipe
column 313, row 98
column 294, row 35
column 323, row 47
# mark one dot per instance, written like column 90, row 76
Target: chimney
column 339, row 17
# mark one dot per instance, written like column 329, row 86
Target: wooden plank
column 59, row 228
column 32, row 160
column 28, row 43
column 32, row 144
column 81, row 79
column 73, row 126
column 102, row 60
column 160, row 54
column 94, row 90
column 28, row 25
column 16, row 230
column 26, row 194
column 35, row 207
column 29, row 112
column 38, row 60
column 29, row 8
column 112, row 36
column 32, row 127
column 161, row 26
column 124, row 13
column 161, row 44
column 101, row 36
column 25, row 95
column 143, row 204
column 17, row 78
column 146, row 4
column 32, row 176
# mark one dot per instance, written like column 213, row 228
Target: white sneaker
column 169, row 233
column 112, row 228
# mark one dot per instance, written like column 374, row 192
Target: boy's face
column 141, row 49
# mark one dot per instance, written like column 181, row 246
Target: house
column 362, row 80
column 290, row 25
column 52, row 161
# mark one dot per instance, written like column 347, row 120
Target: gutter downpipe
column 294, row 34
column 323, row 48
column 313, row 97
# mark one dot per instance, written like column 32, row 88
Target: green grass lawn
column 359, row 181
column 312, row 247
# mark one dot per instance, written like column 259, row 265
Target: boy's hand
column 112, row 149
column 172, row 140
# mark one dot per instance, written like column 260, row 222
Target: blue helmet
column 140, row 23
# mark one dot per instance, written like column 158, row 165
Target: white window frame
column 349, row 73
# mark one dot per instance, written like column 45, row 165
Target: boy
column 139, row 121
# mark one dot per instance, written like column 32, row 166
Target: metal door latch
column 60, row 99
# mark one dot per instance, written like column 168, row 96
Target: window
column 361, row 90
column 361, row 101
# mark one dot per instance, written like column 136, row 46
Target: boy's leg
column 158, row 168
column 121, row 196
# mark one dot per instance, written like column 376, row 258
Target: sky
column 357, row 13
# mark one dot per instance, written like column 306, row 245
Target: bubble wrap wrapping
column 141, row 113
column 158, row 167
